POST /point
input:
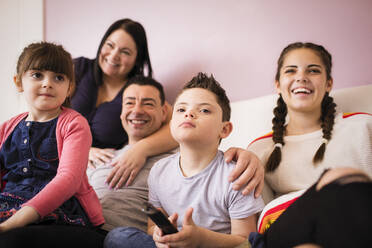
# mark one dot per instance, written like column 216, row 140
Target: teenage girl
column 44, row 155
column 308, row 138
column 308, row 135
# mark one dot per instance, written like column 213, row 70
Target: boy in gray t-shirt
column 215, row 204
column 192, row 185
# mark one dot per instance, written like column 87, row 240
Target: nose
column 115, row 54
column 46, row 83
column 138, row 108
column 189, row 114
column 301, row 77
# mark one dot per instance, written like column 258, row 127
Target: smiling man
column 143, row 112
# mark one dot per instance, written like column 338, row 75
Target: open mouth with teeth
column 301, row 91
column 138, row 122
column 111, row 63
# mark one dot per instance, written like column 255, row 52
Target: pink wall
column 238, row 41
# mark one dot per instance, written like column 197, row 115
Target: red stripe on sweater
column 269, row 135
column 346, row 115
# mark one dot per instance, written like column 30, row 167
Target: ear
column 69, row 90
column 18, row 84
column 277, row 86
column 226, row 129
column 166, row 112
column 329, row 85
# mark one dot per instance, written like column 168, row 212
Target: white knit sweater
column 350, row 146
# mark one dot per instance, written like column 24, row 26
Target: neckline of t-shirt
column 201, row 173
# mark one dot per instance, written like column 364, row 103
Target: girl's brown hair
column 47, row 56
column 328, row 108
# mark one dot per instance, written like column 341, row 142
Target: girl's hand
column 188, row 237
column 126, row 167
column 248, row 172
column 99, row 156
column 21, row 218
column 3, row 228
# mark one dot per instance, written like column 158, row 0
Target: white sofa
column 252, row 118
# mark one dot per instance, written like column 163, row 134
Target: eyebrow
column 313, row 65
column 121, row 48
column 199, row 104
column 126, row 49
column 145, row 99
column 295, row 66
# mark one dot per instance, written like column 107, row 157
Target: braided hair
column 327, row 119
column 328, row 109
column 280, row 112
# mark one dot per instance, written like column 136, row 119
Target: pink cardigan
column 73, row 142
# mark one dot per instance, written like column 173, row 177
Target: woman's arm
column 127, row 166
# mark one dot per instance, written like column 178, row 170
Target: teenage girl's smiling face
column 118, row 55
column 303, row 81
column 197, row 118
column 44, row 91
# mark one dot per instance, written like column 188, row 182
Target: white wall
column 21, row 22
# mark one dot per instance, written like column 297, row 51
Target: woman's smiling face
column 118, row 55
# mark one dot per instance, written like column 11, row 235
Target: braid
column 327, row 119
column 280, row 112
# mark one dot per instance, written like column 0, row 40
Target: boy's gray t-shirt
column 209, row 192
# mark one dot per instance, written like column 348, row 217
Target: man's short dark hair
column 142, row 80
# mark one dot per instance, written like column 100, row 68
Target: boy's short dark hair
column 142, row 80
column 209, row 83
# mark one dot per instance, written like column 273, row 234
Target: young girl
column 44, row 152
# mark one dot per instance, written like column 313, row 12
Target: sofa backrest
column 252, row 118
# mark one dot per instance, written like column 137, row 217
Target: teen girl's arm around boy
column 192, row 235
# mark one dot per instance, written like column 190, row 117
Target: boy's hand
column 188, row 237
column 248, row 172
column 158, row 233
column 156, row 236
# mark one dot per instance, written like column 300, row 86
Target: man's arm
column 127, row 166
